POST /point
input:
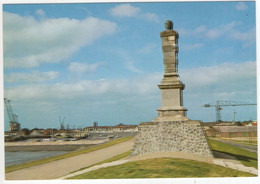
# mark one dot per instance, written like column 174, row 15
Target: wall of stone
column 184, row 136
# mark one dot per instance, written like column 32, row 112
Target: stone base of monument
column 169, row 113
column 171, row 136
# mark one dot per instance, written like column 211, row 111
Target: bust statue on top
column 168, row 25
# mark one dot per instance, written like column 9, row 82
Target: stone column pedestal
column 171, row 87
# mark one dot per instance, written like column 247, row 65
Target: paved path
column 246, row 147
column 63, row 167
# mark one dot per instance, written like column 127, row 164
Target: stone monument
column 171, row 131
column 171, row 87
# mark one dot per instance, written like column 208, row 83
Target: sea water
column 18, row 157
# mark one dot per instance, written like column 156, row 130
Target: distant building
column 14, row 126
column 49, row 131
column 250, row 123
column 222, row 123
column 36, row 133
column 232, row 131
column 117, row 128
column 254, row 124
column 212, row 132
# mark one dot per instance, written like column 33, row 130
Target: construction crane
column 14, row 125
column 62, row 123
column 219, row 104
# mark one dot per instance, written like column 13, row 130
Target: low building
column 231, row 131
column 237, row 131
column 212, row 132
column 117, row 128
column 49, row 131
column 14, row 126
column 36, row 133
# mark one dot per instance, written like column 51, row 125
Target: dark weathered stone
column 169, row 33
column 170, row 48
column 168, row 24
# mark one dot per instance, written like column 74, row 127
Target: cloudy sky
column 102, row 61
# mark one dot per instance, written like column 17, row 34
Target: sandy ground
column 63, row 167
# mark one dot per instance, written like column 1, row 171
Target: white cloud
column 224, row 72
column 214, row 33
column 29, row 43
column 241, row 6
column 80, row 68
column 85, row 9
column 150, row 17
column 203, row 31
column 127, row 10
column 124, row 10
column 248, row 37
column 130, row 66
column 191, row 46
column 31, row 77
column 200, row 29
column 225, row 80
column 229, row 79
column 144, row 85
column 220, row 31
column 40, row 12
column 229, row 30
column 147, row 48
column 127, row 59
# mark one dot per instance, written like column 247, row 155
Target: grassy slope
column 247, row 158
column 63, row 156
column 175, row 168
column 162, row 168
column 249, row 143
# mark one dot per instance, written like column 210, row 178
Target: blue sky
column 102, row 61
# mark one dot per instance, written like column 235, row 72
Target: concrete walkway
column 63, row 167
column 232, row 164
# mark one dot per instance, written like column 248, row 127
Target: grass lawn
column 247, row 158
column 174, row 168
column 162, row 168
column 249, row 143
column 63, row 156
